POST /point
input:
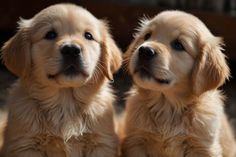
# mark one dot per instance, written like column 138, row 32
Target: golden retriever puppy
column 175, row 109
column 61, row 106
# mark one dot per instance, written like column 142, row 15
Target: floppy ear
column 211, row 69
column 111, row 54
column 16, row 52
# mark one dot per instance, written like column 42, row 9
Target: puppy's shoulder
column 211, row 98
column 105, row 95
column 209, row 108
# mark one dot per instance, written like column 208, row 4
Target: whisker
column 96, row 72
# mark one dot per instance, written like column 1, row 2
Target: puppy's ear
column 16, row 51
column 211, row 69
column 111, row 54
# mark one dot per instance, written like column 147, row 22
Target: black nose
column 70, row 50
column 146, row 52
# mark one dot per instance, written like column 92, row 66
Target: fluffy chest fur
column 59, row 120
column 170, row 128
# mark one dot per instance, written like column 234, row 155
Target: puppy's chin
column 66, row 80
column 149, row 82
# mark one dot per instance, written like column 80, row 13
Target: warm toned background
column 219, row 16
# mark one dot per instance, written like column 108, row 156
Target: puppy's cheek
column 91, row 59
column 133, row 62
column 52, row 67
column 182, row 67
column 45, row 66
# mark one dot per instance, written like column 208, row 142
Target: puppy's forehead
column 178, row 20
column 66, row 13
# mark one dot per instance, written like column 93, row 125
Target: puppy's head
column 175, row 50
column 62, row 45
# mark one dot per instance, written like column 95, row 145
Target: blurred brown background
column 218, row 15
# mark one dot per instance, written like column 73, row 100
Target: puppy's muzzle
column 145, row 55
column 72, row 62
column 144, row 65
column 72, row 59
column 70, row 52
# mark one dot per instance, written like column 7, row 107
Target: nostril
column 146, row 52
column 70, row 50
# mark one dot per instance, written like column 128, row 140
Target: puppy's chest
column 66, row 120
column 175, row 130
column 188, row 121
column 167, row 120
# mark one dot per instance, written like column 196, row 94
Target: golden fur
column 175, row 108
column 52, row 114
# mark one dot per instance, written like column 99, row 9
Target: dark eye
column 177, row 45
column 51, row 35
column 147, row 36
column 88, row 36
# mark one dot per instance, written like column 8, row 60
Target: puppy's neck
column 44, row 92
column 176, row 98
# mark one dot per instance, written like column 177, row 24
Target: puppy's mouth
column 70, row 71
column 146, row 73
